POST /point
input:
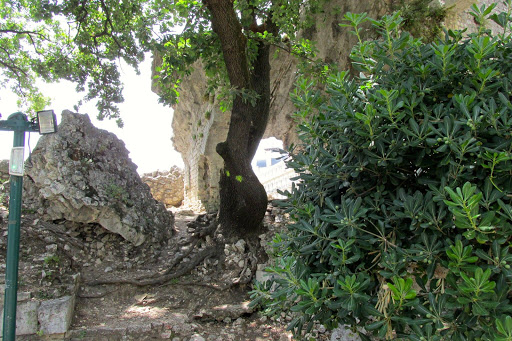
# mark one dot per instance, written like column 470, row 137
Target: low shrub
column 402, row 212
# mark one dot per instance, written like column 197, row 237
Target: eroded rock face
column 458, row 17
column 84, row 174
column 166, row 187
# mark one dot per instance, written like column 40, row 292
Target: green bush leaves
column 401, row 218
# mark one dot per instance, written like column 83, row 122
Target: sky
column 147, row 127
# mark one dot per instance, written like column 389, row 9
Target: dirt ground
column 208, row 303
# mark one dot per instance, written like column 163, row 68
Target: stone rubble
column 166, row 187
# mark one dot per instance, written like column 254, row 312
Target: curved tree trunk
column 243, row 199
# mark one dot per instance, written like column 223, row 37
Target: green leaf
column 374, row 325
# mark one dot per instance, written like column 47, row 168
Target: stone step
column 35, row 317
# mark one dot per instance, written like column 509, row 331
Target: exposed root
column 159, row 279
column 199, row 284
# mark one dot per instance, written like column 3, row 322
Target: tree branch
column 30, row 33
column 226, row 25
column 112, row 30
column 12, row 66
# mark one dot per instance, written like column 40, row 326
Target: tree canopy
column 83, row 41
column 79, row 41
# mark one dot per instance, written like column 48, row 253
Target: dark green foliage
column 402, row 215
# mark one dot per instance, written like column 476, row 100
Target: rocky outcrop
column 166, row 187
column 199, row 125
column 84, row 174
column 458, row 17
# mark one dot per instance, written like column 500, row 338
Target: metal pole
column 13, row 247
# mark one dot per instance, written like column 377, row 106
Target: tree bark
column 243, row 199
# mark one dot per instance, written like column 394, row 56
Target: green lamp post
column 18, row 122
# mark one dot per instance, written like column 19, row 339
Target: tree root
column 201, row 284
column 158, row 279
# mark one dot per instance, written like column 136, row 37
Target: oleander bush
column 401, row 219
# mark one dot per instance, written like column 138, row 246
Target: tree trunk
column 243, row 199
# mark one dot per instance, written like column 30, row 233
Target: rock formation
column 198, row 124
column 166, row 187
column 83, row 174
column 458, row 17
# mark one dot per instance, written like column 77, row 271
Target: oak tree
column 83, row 41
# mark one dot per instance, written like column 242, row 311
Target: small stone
column 24, row 296
column 108, row 269
column 51, row 248
column 321, row 329
column 166, row 335
column 227, row 320
column 197, row 337
column 240, row 246
column 263, row 318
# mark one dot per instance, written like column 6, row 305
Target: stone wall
column 166, row 187
column 198, row 124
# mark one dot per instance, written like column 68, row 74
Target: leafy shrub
column 401, row 218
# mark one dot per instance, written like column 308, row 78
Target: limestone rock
column 166, row 187
column 220, row 313
column 343, row 333
column 458, row 15
column 26, row 317
column 83, row 174
column 55, row 315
